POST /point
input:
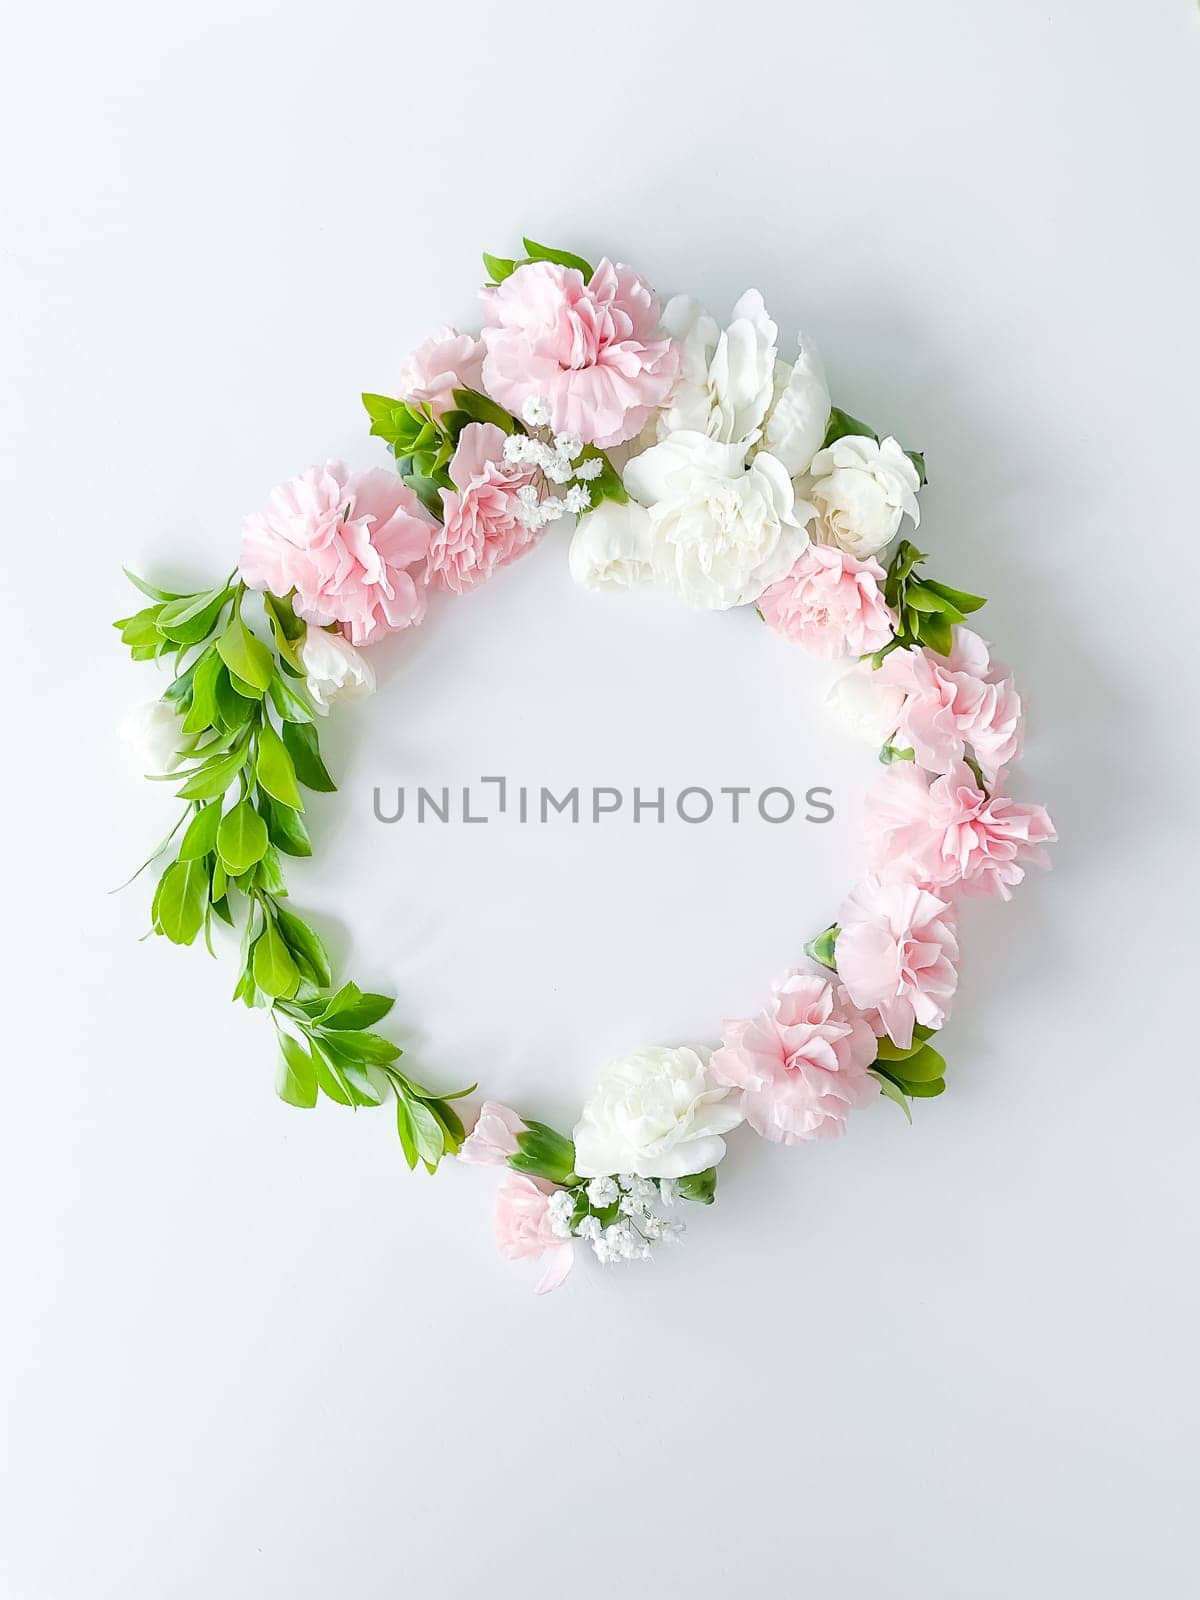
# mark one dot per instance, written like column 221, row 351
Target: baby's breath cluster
column 616, row 1216
column 553, row 458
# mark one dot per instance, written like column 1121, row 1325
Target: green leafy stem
column 249, row 746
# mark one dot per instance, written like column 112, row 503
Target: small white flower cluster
column 639, row 1227
column 556, row 459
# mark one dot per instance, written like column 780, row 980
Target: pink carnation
column 524, row 1231
column 493, row 1138
column 590, row 349
column 802, row 1063
column 446, row 361
column 352, row 546
column 943, row 832
column 954, row 704
column 897, row 953
column 830, row 603
column 482, row 529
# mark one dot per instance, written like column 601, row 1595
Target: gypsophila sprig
column 711, row 463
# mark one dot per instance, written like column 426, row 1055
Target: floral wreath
column 694, row 458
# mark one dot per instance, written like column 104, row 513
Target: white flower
column 726, row 380
column 656, row 1114
column 869, row 708
column 589, row 469
column 334, row 669
column 560, row 1207
column 601, row 1193
column 568, row 444
column 579, row 498
column 796, row 427
column 536, row 411
column 721, row 531
column 590, row 1228
column 156, row 733
column 668, row 1189
column 861, row 491
column 611, row 548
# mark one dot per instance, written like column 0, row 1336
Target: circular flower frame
column 691, row 456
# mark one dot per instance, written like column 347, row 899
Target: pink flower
column 945, row 832
column 897, row 953
column 482, row 529
column 830, row 603
column 590, row 349
column 524, row 1231
column 802, row 1063
column 446, row 361
column 493, row 1138
column 955, row 703
column 352, row 546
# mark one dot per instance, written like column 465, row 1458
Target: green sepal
column 544, row 1153
column 822, row 949
column 699, row 1186
column 843, row 426
column 559, row 258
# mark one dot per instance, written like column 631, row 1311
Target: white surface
column 245, row 1354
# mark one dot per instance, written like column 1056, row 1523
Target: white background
column 244, row 1352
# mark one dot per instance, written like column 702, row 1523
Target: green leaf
column 246, row 657
column 428, row 492
column 822, row 949
column 937, row 633
column 290, row 705
column 965, row 602
column 925, row 598
column 924, row 1065
column 202, row 713
column 306, row 946
column 234, row 710
column 480, row 408
column 497, row 268
column 288, row 629
column 193, row 616
column 274, row 768
column 892, row 1092
column 330, row 1078
column 241, row 838
column 140, row 631
column 200, row 840
column 304, row 747
column 351, row 1010
column 699, row 1186
column 842, row 425
column 427, row 1132
column 215, row 776
column 286, row 828
column 296, row 1080
column 560, row 258
column 180, row 900
column 275, row 973
column 369, row 1048
column 608, row 485
column 404, row 1127
column 925, row 1091
column 889, row 1050
column 268, row 875
column 148, row 589
column 918, row 461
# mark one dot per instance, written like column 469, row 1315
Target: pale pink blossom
column 802, row 1063
column 954, row 705
column 592, row 350
column 493, row 1138
column 946, row 832
column 446, row 361
column 351, row 545
column 481, row 529
column 831, row 603
column 525, row 1232
column 897, row 952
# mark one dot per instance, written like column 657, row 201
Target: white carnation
column 727, row 379
column 334, row 668
column 869, row 708
column 861, row 490
column 611, row 548
column 156, row 733
column 720, row 531
column 655, row 1114
column 799, row 418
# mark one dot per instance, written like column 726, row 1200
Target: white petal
column 797, row 424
